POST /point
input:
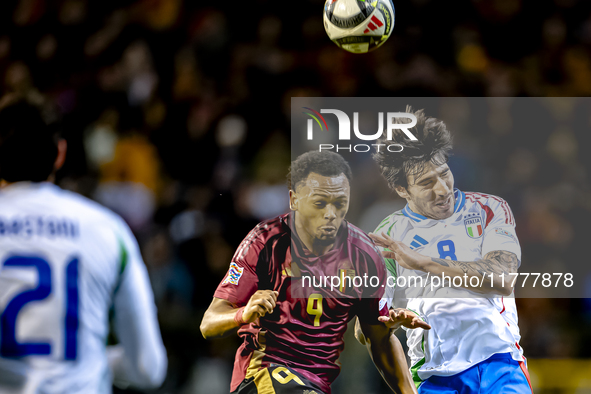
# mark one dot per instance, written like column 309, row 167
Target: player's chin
column 440, row 214
column 325, row 237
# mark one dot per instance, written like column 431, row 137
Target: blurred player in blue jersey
column 65, row 261
column 473, row 346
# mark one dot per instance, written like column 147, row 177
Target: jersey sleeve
column 142, row 359
column 499, row 232
column 387, row 227
column 242, row 281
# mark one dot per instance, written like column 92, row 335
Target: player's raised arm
column 238, row 300
column 222, row 317
column 140, row 359
column 497, row 263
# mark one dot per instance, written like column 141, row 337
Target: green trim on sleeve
column 391, row 266
column 123, row 260
column 124, row 257
column 417, row 313
column 382, row 224
column 390, row 229
column 390, row 263
column 414, row 370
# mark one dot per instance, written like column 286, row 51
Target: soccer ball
column 358, row 26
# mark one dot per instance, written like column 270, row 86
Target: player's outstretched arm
column 388, row 356
column 498, row 263
column 222, row 317
column 397, row 318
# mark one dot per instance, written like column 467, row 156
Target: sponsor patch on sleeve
column 234, row 274
column 501, row 231
column 382, row 304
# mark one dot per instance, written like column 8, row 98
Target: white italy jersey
column 64, row 262
column 466, row 328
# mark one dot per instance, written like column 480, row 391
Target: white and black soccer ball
column 358, row 26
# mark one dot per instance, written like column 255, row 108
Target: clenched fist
column 260, row 303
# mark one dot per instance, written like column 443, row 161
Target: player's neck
column 4, row 183
column 415, row 209
column 309, row 241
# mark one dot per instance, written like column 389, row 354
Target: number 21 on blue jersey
column 9, row 346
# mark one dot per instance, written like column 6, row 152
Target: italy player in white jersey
column 65, row 261
column 473, row 346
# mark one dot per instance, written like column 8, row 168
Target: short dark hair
column 432, row 145
column 28, row 143
column 323, row 163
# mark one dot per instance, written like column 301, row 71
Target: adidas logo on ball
column 371, row 26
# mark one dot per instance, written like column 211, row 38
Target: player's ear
column 402, row 192
column 62, row 147
column 293, row 200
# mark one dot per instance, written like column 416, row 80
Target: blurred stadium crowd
column 176, row 115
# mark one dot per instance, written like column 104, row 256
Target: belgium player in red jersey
column 293, row 329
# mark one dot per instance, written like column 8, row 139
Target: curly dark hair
column 323, row 163
column 433, row 145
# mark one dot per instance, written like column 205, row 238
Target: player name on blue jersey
column 39, row 226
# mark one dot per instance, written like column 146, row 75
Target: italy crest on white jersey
column 467, row 328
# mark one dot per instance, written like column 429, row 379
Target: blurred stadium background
column 177, row 117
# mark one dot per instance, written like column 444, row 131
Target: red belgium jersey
column 305, row 331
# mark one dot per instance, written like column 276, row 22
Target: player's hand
column 403, row 317
column 400, row 252
column 260, row 303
